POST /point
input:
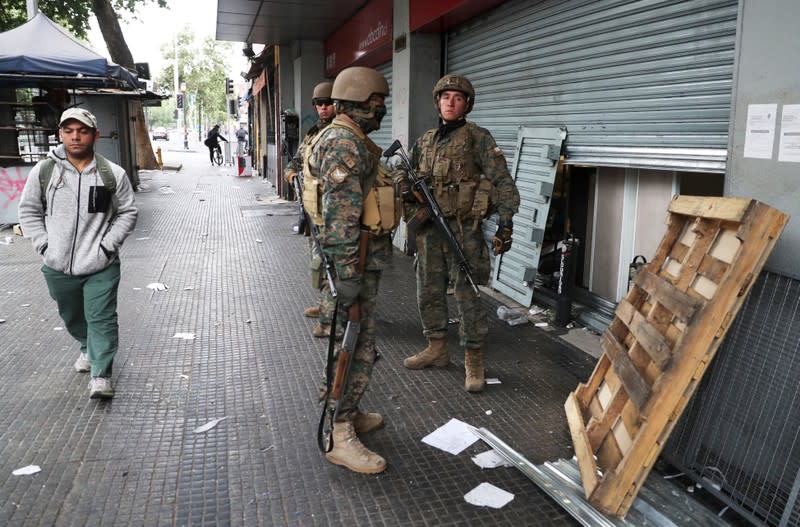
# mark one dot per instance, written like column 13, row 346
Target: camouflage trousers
column 436, row 265
column 326, row 301
column 365, row 352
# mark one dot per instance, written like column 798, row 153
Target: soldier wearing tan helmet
column 321, row 99
column 469, row 178
column 345, row 166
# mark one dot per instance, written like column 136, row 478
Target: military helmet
column 357, row 84
column 322, row 91
column 456, row 83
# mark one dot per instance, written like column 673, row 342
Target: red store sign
column 364, row 40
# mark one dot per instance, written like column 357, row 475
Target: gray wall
column 767, row 73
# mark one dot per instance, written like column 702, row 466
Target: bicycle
column 216, row 155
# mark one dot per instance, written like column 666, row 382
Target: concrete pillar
column 413, row 112
column 309, row 62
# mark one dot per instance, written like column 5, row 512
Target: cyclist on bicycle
column 212, row 141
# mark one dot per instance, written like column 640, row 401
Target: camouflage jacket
column 455, row 166
column 346, row 160
column 296, row 164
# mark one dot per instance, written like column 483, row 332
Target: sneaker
column 82, row 365
column 101, row 388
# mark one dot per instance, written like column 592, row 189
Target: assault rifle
column 430, row 211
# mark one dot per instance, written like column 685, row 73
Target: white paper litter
column 453, row 437
column 188, row 288
column 184, row 336
column 535, row 310
column 58, row 328
column 208, row 426
column 487, row 495
column 27, row 471
column 143, row 238
column 493, row 380
column 7, row 240
column 259, row 240
column 157, row 286
column 166, row 190
column 541, row 324
column 2, row 320
column 490, row 459
column 137, row 288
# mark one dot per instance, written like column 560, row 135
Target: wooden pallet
column 661, row 340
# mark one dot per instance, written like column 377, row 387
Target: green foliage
column 201, row 68
column 72, row 14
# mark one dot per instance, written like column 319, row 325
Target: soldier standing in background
column 321, row 99
column 469, row 178
column 344, row 165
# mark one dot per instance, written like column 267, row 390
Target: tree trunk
column 121, row 54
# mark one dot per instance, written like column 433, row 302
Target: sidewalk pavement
column 238, row 280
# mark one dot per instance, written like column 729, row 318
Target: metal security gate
column 383, row 137
column 642, row 84
column 534, row 172
column 740, row 435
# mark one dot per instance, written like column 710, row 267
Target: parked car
column 160, row 133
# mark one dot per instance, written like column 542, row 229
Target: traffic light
column 179, row 101
column 228, row 86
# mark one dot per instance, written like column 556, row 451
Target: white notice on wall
column 760, row 132
column 789, row 142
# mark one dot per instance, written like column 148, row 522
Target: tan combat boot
column 350, row 453
column 473, row 364
column 364, row 422
column 311, row 312
column 322, row 331
column 434, row 355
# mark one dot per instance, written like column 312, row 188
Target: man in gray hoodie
column 77, row 208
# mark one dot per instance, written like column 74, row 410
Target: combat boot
column 350, row 453
column 322, row 331
column 311, row 312
column 473, row 364
column 434, row 355
column 364, row 422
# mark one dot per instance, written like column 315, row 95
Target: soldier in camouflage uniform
column 321, row 99
column 346, row 164
column 469, row 178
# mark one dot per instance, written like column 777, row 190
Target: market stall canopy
column 41, row 50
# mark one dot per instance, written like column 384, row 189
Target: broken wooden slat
column 636, row 387
column 662, row 339
column 679, row 303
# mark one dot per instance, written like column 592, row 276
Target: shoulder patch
column 497, row 151
column 339, row 174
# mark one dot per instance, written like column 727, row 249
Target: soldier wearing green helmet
column 469, row 177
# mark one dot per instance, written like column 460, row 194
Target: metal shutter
column 383, row 137
column 636, row 83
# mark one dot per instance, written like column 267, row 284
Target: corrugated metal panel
column 636, row 83
column 534, row 172
column 383, row 137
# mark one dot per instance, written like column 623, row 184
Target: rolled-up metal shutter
column 383, row 137
column 636, row 83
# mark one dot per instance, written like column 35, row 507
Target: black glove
column 347, row 290
column 501, row 241
column 403, row 186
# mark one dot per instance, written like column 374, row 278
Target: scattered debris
column 490, row 459
column 166, row 189
column 157, row 286
column 487, row 495
column 184, row 336
column 488, row 412
column 188, row 288
column 541, row 324
column 2, row 320
column 259, row 240
column 143, row 238
column 493, row 380
column 209, row 425
column 27, row 471
column 513, row 316
column 451, row 321
column 7, row 240
column 537, row 310
column 453, row 437
column 58, row 328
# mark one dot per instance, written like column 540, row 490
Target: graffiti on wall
column 12, row 181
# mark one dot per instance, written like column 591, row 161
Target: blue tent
column 40, row 50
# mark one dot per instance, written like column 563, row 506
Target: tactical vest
column 381, row 210
column 455, row 176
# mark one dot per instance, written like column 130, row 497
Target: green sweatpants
column 88, row 307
